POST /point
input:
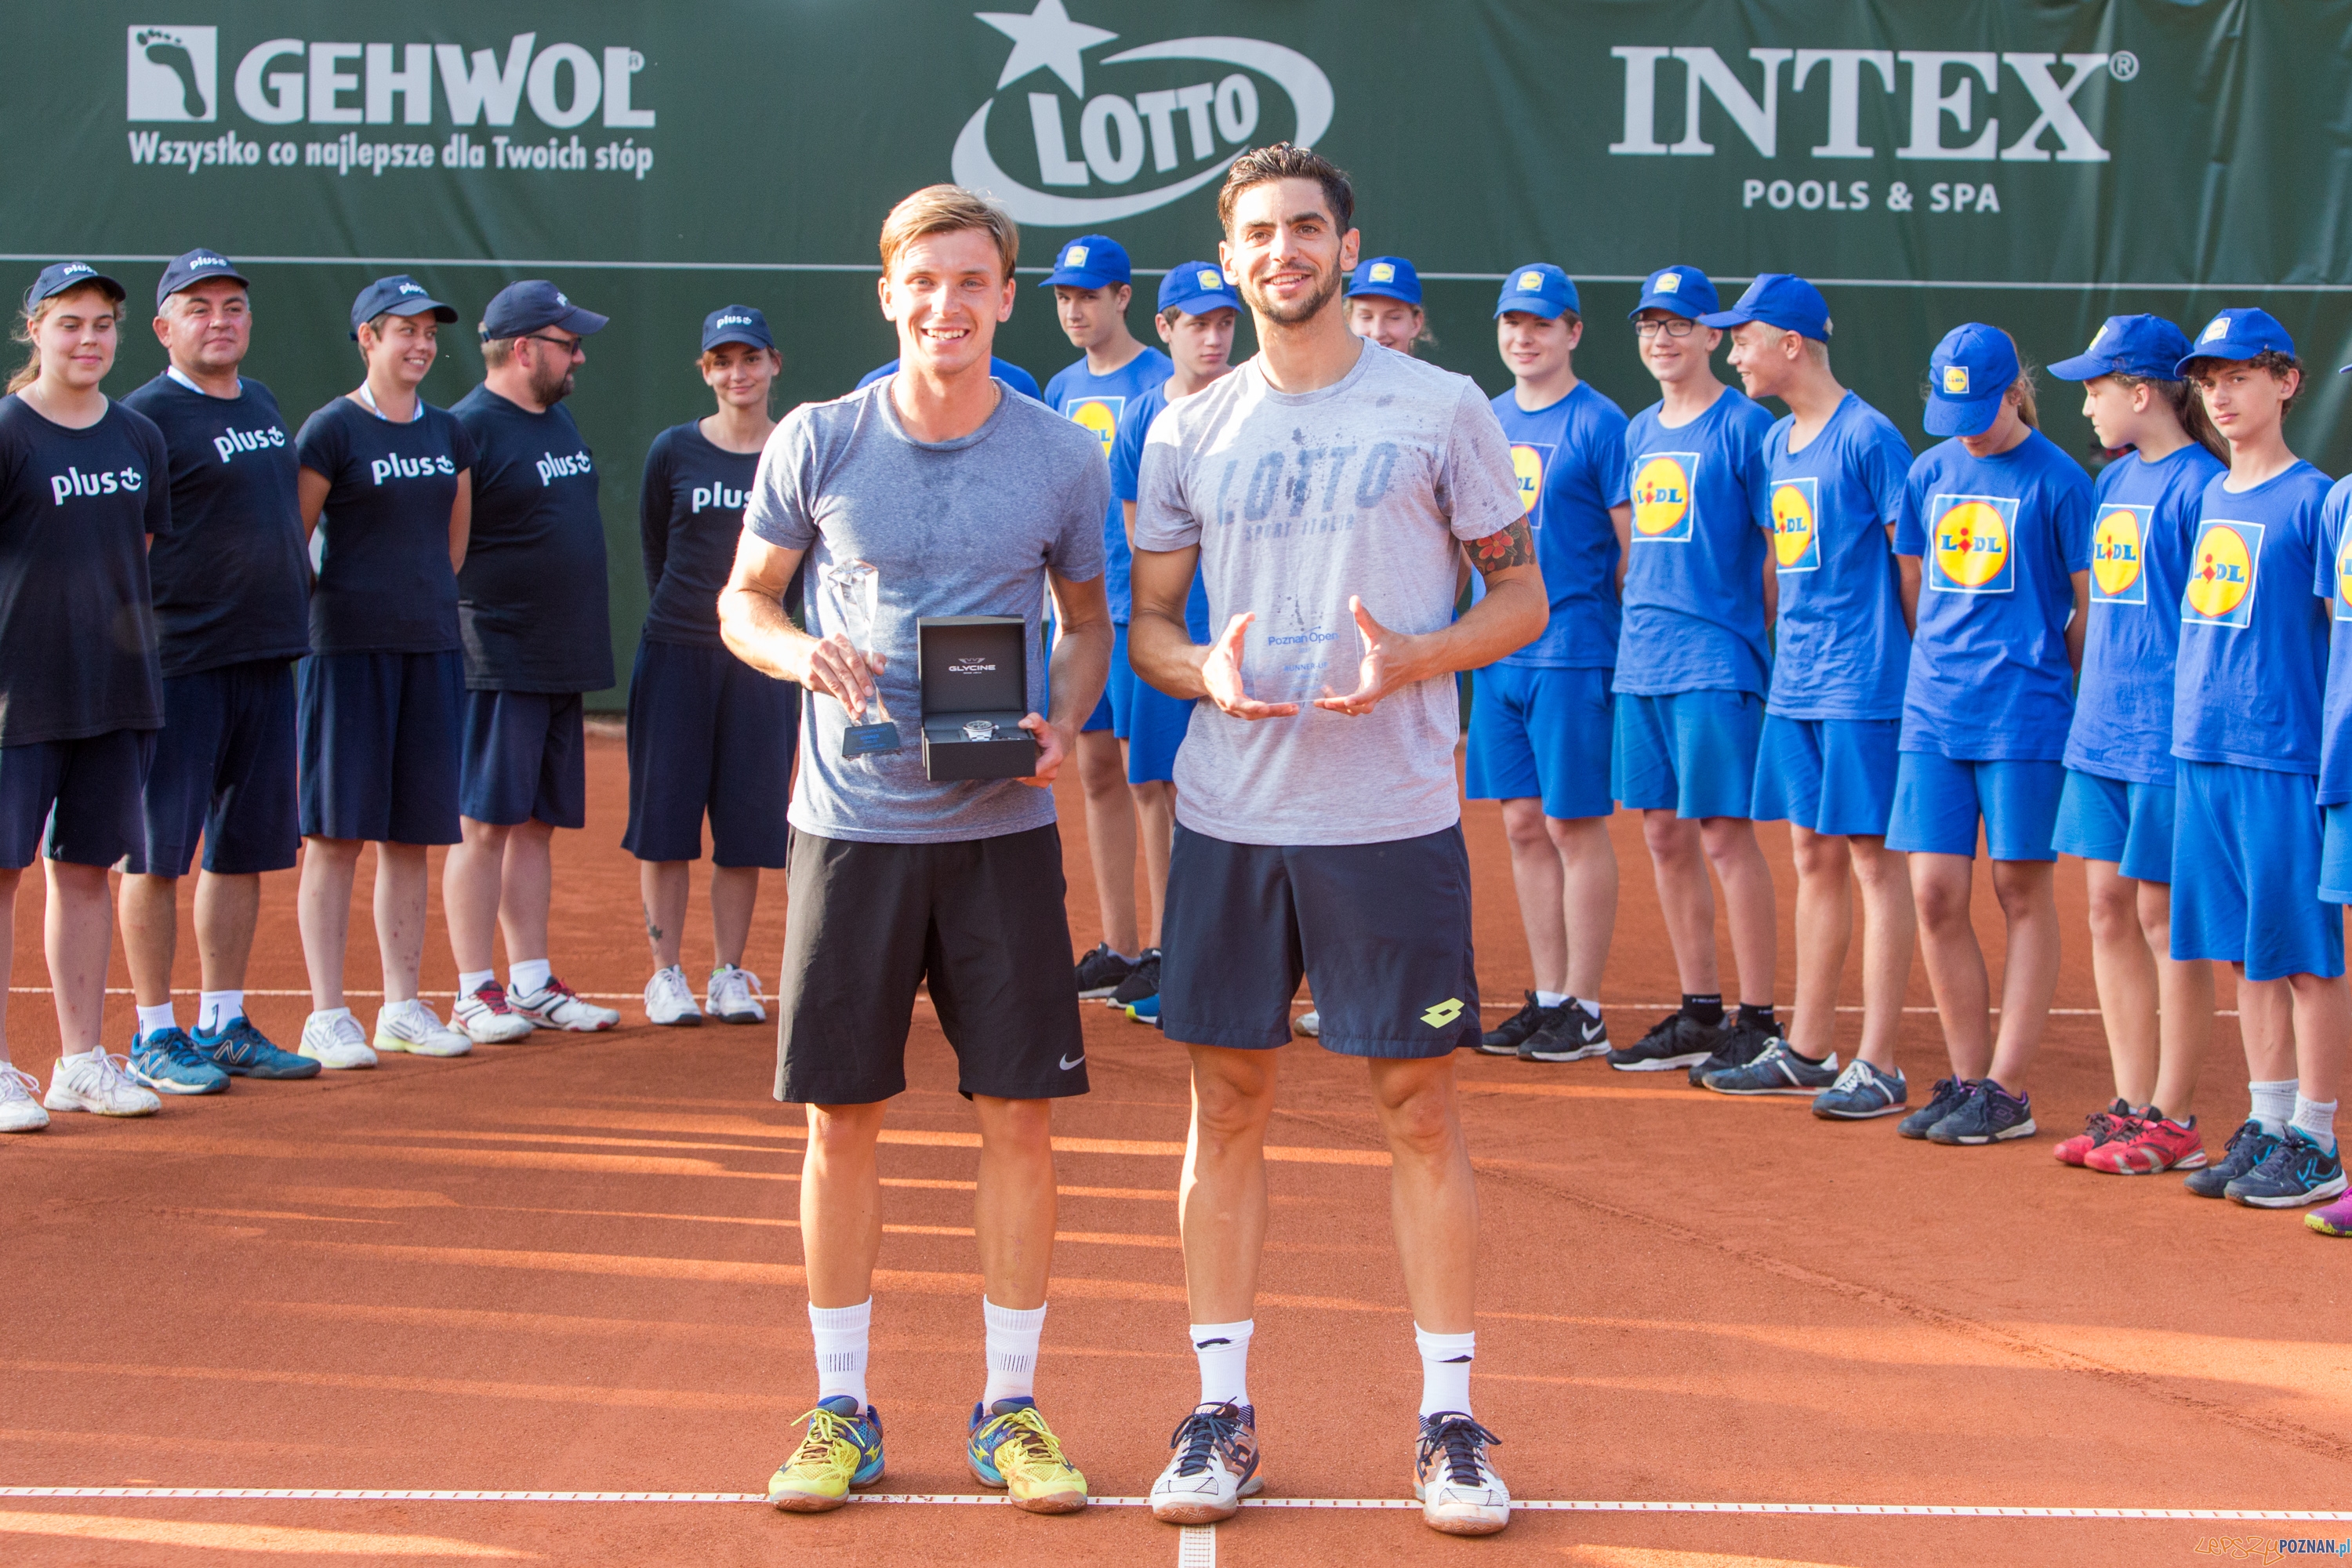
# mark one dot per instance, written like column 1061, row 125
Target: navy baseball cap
column 1540, row 289
column 1967, row 375
column 1388, row 277
column 735, row 324
column 2147, row 346
column 520, row 309
column 1684, row 290
column 1197, row 287
column 2237, row 334
column 1779, row 300
column 402, row 296
column 195, row 267
column 60, row 276
column 1090, row 261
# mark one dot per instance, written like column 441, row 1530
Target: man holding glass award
column 934, row 509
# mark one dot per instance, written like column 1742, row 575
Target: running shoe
column 1011, row 1446
column 94, row 1081
column 841, row 1452
column 486, row 1017
column 2155, row 1144
column 2248, row 1147
column 413, row 1027
column 1742, row 1043
column 1990, row 1114
column 1099, row 972
column 669, row 1000
column 240, row 1050
column 2295, row 1172
column 1214, row 1468
column 1309, row 1023
column 2335, row 1219
column 1778, row 1070
column 1146, row 1011
column 732, row 997
column 1574, row 1036
column 1942, row 1100
column 1453, row 1480
column 19, row 1110
column 1861, row 1092
column 1504, row 1039
column 2117, row 1120
column 335, row 1041
column 1677, row 1040
column 1142, row 981
column 168, row 1062
column 556, row 1005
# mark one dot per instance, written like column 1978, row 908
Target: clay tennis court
column 571, row 1266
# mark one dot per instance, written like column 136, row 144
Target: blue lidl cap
column 2237, row 334
column 1779, row 300
column 1197, row 287
column 735, row 324
column 1540, row 289
column 402, row 296
column 1090, row 261
column 520, row 309
column 1684, row 290
column 2147, row 346
column 195, row 267
column 1389, row 277
column 1966, row 377
column 60, row 276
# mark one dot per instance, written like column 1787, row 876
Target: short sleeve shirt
column 385, row 584
column 1126, row 471
column 533, row 600
column 1098, row 401
column 1570, row 459
column 2254, row 643
column 1694, row 586
column 1841, row 646
column 690, row 516
column 2332, row 582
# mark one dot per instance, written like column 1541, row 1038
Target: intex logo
column 570, row 465
column 1190, row 132
column 716, row 496
column 73, row 483
column 400, row 468
column 229, row 443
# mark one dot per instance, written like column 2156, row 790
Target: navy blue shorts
column 83, row 796
column 1830, row 775
column 224, row 771
column 1938, row 800
column 379, row 745
column 2245, row 873
column 708, row 733
column 2108, row 819
column 1542, row 733
column 1114, row 710
column 1382, row 931
column 1692, row 753
column 525, row 758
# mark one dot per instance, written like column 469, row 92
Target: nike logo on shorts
column 1067, row 1064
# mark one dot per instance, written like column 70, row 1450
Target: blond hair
column 2022, row 390
column 28, row 322
column 948, row 209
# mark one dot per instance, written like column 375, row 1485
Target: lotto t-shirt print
column 2220, row 590
column 1972, row 544
column 1664, row 483
column 2118, row 552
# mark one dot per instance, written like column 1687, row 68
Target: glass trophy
column 855, row 586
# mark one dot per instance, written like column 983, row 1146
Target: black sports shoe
column 2249, row 1147
column 1942, row 1101
column 1576, row 1036
column 2296, row 1172
column 1504, row 1039
column 1742, row 1043
column 1677, row 1040
column 1990, row 1114
column 1142, row 981
column 1100, row 972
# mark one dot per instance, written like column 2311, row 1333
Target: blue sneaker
column 1942, row 1101
column 1861, row 1092
column 168, row 1062
column 1778, row 1070
column 1146, row 1011
column 2296, row 1172
column 841, row 1452
column 240, row 1050
column 1990, row 1114
column 2249, row 1146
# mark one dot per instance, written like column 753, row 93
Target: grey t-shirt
column 954, row 528
column 1298, row 500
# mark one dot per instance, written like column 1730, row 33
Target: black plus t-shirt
column 691, row 512
column 231, row 583
column 76, row 624
column 533, row 601
column 385, row 582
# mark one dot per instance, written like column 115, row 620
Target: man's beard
column 550, row 386
column 1293, row 313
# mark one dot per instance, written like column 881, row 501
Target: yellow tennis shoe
column 842, row 1452
column 1012, row 1447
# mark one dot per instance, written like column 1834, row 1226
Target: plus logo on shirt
column 2120, row 552
column 397, row 467
column 717, row 498
column 231, row 443
column 75, row 485
column 571, row 465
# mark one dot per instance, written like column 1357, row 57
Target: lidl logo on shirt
column 2220, row 590
column 1528, row 460
column 2343, row 578
column 1956, row 381
column 2118, row 545
column 1796, row 524
column 1972, row 544
column 1099, row 415
column 1662, row 497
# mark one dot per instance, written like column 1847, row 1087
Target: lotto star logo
column 1444, row 1013
column 1662, row 496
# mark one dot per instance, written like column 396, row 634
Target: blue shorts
column 524, row 758
column 1157, row 726
column 1114, row 710
column 378, row 739
column 2127, row 824
column 224, row 771
column 1938, row 801
column 81, row 795
column 708, row 733
column 2335, row 854
column 1542, row 733
column 1693, row 753
column 1382, row 931
column 2245, row 873
column 1829, row 775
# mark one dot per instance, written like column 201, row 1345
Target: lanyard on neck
column 367, row 395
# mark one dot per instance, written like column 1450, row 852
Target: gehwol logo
column 717, row 496
column 75, row 485
column 570, row 465
column 399, row 468
column 230, row 443
column 1145, row 147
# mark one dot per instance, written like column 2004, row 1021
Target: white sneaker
column 487, row 1019
column 335, row 1040
column 413, row 1027
column 1458, row 1489
column 1309, row 1023
column 1215, row 1465
column 557, row 1006
column 670, row 1000
column 20, row 1112
column 95, row 1081
column 733, row 996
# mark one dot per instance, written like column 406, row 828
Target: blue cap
column 195, row 267
column 2147, row 346
column 1540, row 289
column 1779, row 300
column 1197, row 287
column 1967, row 375
column 735, row 324
column 402, row 296
column 1684, row 290
column 1090, row 261
column 1388, row 277
column 60, row 276
column 520, row 309
column 2237, row 334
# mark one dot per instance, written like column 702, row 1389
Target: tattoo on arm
column 1499, row 551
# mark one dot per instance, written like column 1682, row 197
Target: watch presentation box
column 974, row 673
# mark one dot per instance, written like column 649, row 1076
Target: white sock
column 841, row 1334
column 1550, row 998
column 159, row 1017
column 1013, row 1339
column 2316, row 1118
column 2273, row 1104
column 1591, row 1008
column 1222, row 1350
column 215, row 1008
column 528, row 977
column 1445, row 1370
column 473, row 980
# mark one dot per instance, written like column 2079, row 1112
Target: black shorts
column 708, row 734
column 981, row 920
column 76, row 800
column 524, row 758
column 224, row 773
column 1381, row 930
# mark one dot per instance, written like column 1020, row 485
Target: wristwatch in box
column 973, row 675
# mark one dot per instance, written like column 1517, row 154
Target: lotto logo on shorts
column 2220, row 590
column 1528, row 460
column 1099, row 415
column 1444, row 1013
column 2118, row 545
column 1662, row 497
column 1796, row 524
column 1971, row 544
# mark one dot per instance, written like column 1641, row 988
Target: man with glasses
column 532, row 609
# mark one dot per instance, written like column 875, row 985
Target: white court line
column 1196, row 1546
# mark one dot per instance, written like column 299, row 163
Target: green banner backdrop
column 2038, row 165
